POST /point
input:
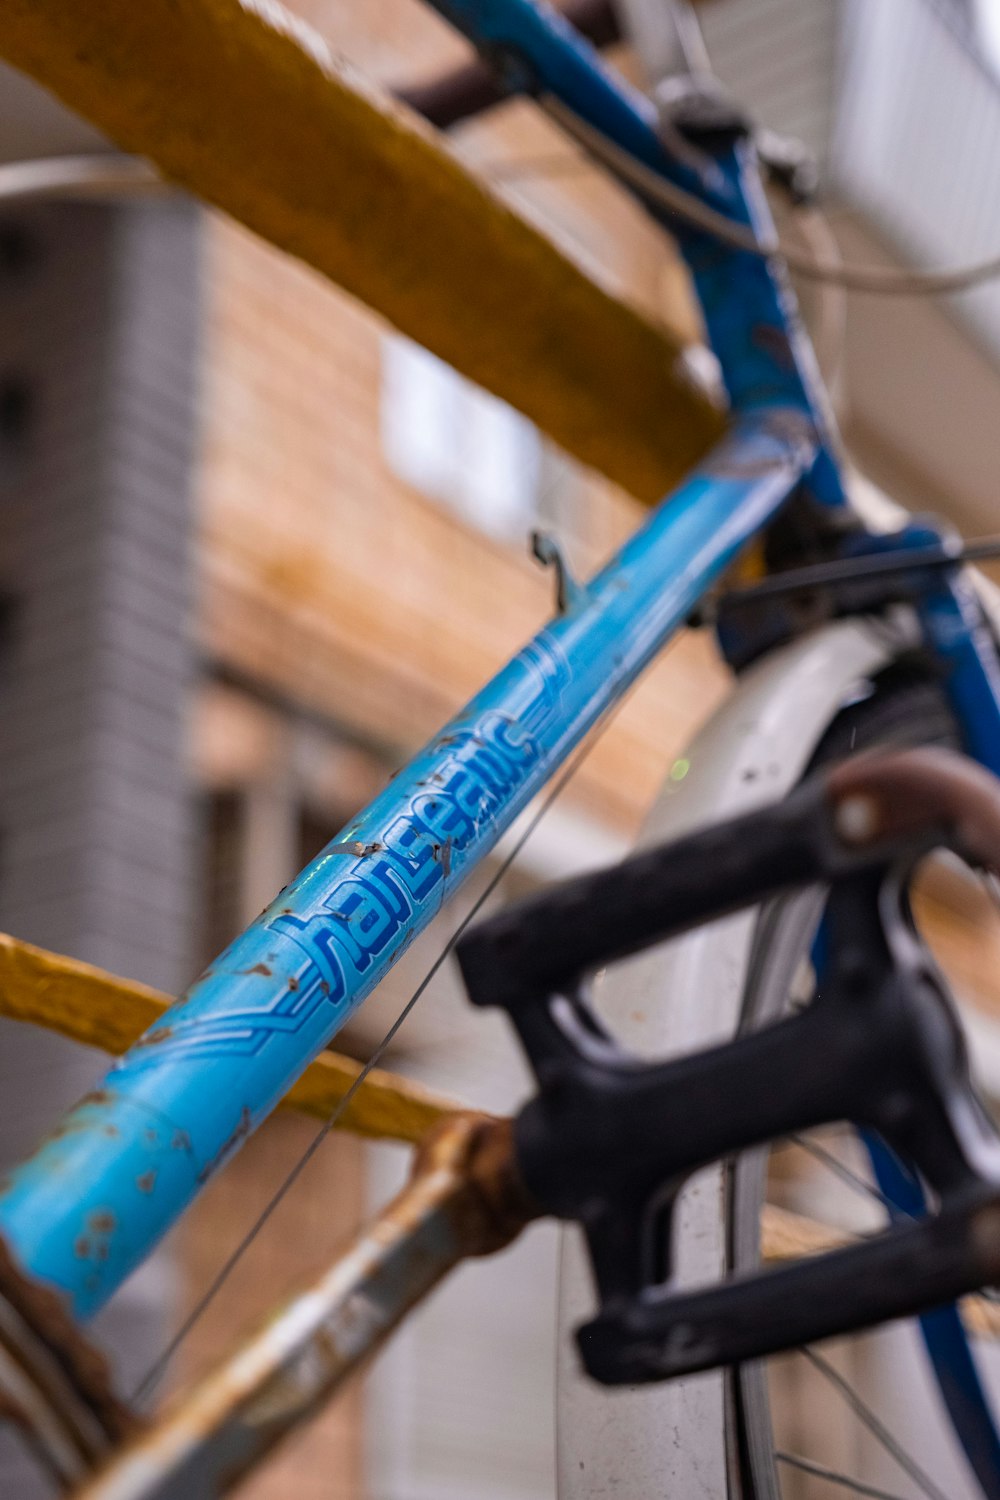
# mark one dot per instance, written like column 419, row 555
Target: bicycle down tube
column 87, row 1208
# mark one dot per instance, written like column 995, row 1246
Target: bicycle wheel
column 904, row 711
column 723, row 1424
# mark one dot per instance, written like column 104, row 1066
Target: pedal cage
column 610, row 1140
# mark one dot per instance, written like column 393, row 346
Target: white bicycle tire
column 649, row 1442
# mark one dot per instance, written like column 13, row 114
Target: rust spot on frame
column 154, row 1038
column 791, row 429
column 357, row 848
column 229, row 1146
column 45, row 1315
column 771, row 339
column 97, row 1097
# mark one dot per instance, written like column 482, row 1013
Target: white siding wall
column 917, row 141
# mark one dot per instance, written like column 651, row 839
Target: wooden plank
column 98, row 1009
column 244, row 105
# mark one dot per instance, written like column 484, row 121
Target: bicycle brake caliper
column 610, row 1139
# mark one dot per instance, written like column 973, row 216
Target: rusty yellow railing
column 244, row 105
column 91, row 1006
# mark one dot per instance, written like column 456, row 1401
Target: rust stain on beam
column 464, row 1199
column 89, row 1005
column 244, row 105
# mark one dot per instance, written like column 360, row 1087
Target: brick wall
column 99, row 325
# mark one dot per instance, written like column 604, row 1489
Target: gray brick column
column 99, row 324
column 98, row 331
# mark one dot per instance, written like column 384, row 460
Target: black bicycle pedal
column 609, row 1140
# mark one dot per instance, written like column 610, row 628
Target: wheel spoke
column 875, row 1425
column 846, row 1174
column 834, row 1476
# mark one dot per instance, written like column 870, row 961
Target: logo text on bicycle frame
column 371, row 913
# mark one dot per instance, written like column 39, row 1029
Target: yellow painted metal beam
column 243, row 105
column 91, row 1006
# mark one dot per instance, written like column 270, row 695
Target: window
column 458, row 444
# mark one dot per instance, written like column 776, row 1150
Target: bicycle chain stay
column 610, row 1139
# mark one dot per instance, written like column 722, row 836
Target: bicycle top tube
column 123, row 1165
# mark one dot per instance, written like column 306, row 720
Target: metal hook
column 548, row 551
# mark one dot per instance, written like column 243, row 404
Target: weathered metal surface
column 243, row 104
column 464, row 1199
column 178, row 1103
column 96, row 1008
column 55, row 1388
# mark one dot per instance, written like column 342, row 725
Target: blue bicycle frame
column 99, row 1194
